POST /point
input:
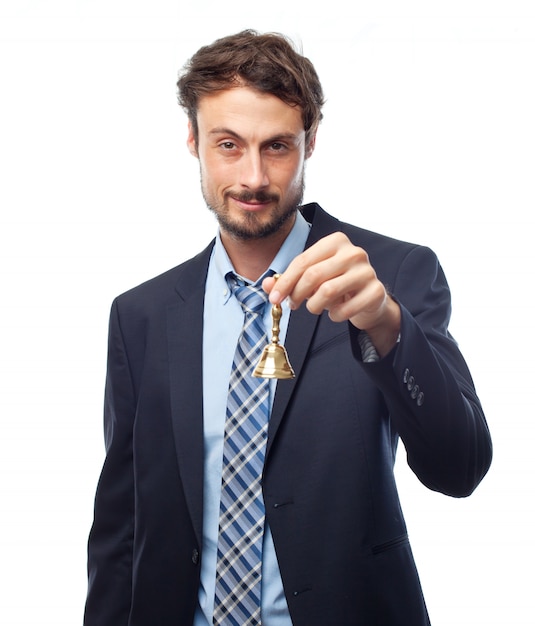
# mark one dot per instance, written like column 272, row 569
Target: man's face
column 251, row 149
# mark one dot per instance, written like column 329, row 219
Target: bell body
column 274, row 363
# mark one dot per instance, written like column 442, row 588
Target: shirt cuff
column 367, row 349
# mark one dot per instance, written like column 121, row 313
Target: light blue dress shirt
column 223, row 320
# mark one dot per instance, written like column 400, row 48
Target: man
column 317, row 537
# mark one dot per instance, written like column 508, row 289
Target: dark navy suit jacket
column 329, row 489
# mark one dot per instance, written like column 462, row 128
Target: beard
column 251, row 225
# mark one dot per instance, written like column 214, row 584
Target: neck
column 252, row 257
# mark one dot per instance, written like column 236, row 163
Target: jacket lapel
column 184, row 335
column 301, row 329
column 301, row 326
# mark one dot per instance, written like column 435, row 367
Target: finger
column 326, row 282
column 268, row 284
column 335, row 293
column 308, row 270
column 331, row 294
column 362, row 307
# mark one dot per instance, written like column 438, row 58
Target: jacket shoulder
column 190, row 273
column 385, row 253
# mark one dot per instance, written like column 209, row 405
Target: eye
column 278, row 148
column 227, row 145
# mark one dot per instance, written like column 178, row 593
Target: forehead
column 246, row 110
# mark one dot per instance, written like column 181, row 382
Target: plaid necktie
column 241, row 521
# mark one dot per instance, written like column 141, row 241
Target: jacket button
column 406, row 375
column 195, row 556
column 414, row 392
column 420, row 399
column 410, row 383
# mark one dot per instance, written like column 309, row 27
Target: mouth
column 253, row 202
column 251, row 206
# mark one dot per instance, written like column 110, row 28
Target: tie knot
column 252, row 299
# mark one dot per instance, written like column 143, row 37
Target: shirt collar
column 293, row 245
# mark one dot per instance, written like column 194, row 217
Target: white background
column 429, row 136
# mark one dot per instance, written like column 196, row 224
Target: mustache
column 254, row 196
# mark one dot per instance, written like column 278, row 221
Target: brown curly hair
column 266, row 62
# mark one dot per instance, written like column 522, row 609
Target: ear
column 191, row 141
column 310, row 146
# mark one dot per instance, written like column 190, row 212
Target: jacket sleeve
column 427, row 386
column 111, row 537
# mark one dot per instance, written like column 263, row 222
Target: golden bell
column 274, row 361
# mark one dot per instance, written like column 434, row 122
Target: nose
column 253, row 171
